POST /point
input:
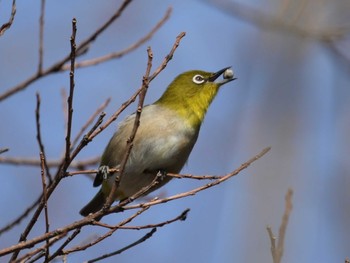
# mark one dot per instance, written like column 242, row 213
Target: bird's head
column 191, row 93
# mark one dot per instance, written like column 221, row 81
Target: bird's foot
column 161, row 175
column 104, row 171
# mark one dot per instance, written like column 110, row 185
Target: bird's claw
column 104, row 171
column 161, row 175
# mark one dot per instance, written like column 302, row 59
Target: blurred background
column 291, row 59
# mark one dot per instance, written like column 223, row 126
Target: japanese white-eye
column 165, row 137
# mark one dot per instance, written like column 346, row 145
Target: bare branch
column 181, row 217
column 3, row 150
column 39, row 251
column 277, row 250
column 7, row 25
column 54, row 163
column 19, row 219
column 142, row 239
column 90, row 219
column 39, row 139
column 71, row 93
column 47, row 223
column 119, row 54
column 273, row 243
column 41, row 37
column 196, row 177
column 144, row 88
column 58, row 66
column 196, row 190
column 60, row 249
column 90, row 120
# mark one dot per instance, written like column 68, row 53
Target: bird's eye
column 198, row 79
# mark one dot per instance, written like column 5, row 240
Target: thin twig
column 39, row 139
column 53, row 163
column 109, row 233
column 168, row 57
column 38, row 251
column 47, row 223
column 181, row 217
column 277, row 249
column 41, row 37
column 60, row 249
column 90, row 120
column 119, row 54
column 273, row 243
column 198, row 189
column 71, row 92
column 284, row 224
column 8, row 24
column 57, row 67
column 67, row 159
column 191, row 176
column 3, row 150
column 19, row 219
column 145, row 84
column 142, row 239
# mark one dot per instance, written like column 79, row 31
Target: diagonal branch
column 82, row 48
column 139, row 241
column 89, row 220
column 8, row 24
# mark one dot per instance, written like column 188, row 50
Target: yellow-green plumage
column 166, row 135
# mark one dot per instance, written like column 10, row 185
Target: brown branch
column 181, row 217
column 144, row 88
column 119, row 54
column 3, row 150
column 90, row 120
column 141, row 240
column 168, row 57
column 67, row 159
column 54, row 163
column 277, row 249
column 57, row 67
column 108, row 234
column 39, row 139
column 19, row 219
column 47, row 223
column 196, row 177
column 92, row 171
column 71, row 93
column 41, row 37
column 8, row 24
column 40, row 251
column 90, row 219
column 198, row 189
column 60, row 249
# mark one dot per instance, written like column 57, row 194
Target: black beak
column 218, row 74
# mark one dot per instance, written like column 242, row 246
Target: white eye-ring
column 198, row 79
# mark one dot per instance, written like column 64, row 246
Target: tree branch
column 7, row 25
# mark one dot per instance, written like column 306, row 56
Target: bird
column 167, row 133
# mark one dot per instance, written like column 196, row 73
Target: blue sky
column 292, row 93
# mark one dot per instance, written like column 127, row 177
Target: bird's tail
column 94, row 205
